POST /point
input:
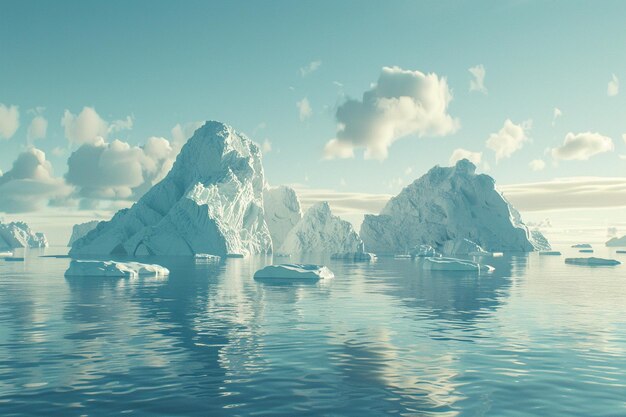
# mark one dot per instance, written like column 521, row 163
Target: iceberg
column 295, row 272
column 354, row 256
column 114, row 269
column 80, row 230
column 19, row 235
column 449, row 203
column 211, row 201
column 319, row 231
column 592, row 261
column 582, row 245
column 453, row 264
column 282, row 212
column 621, row 241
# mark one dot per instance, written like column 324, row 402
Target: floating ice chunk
column 354, row 256
column 453, row 264
column 620, row 251
column 581, row 245
column 592, row 261
column 402, row 256
column 550, row 253
column 205, row 257
column 5, row 254
column 114, row 269
column 586, row 251
column 294, row 271
column 14, row 259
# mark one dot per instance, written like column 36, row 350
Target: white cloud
column 537, row 164
column 458, row 154
column 30, row 185
column 119, row 125
column 117, row 170
column 37, row 129
column 86, row 127
column 477, row 83
column 582, row 146
column 400, row 104
column 304, row 109
column 613, row 87
column 9, row 121
column 556, row 114
column 509, row 139
column 310, row 68
column 568, row 193
column 266, row 146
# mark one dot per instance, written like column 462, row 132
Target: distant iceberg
column 582, row 245
column 282, row 212
column 114, row 269
column 19, row 235
column 80, row 230
column 319, row 231
column 294, row 271
column 617, row 242
column 449, row 203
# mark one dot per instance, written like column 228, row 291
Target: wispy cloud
column 310, row 68
column 477, row 83
column 612, row 88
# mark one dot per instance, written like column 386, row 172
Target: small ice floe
column 581, row 245
column 14, row 259
column 354, row 256
column 550, row 253
column 592, row 261
column 453, row 264
column 114, row 269
column 586, row 251
column 402, row 256
column 5, row 254
column 306, row 272
column 282, row 255
column 620, row 251
column 424, row 251
column 235, row 255
column 205, row 258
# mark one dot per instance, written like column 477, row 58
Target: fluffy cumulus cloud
column 9, row 121
column 537, row 164
column 477, row 83
column 310, row 68
column 37, row 129
column 304, row 109
column 460, row 153
column 582, row 146
column 401, row 103
column 30, row 185
column 509, row 139
column 612, row 88
column 89, row 127
column 117, row 170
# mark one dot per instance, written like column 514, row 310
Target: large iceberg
column 80, row 230
column 114, row 269
column 19, row 235
column 448, row 203
column 616, row 241
column 282, row 212
column 211, row 202
column 294, row 271
column 319, row 231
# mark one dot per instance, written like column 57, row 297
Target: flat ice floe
column 550, row 253
column 114, row 269
column 592, row 261
column 453, row 264
column 295, row 272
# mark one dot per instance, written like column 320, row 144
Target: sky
column 350, row 101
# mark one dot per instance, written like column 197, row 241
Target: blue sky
column 168, row 63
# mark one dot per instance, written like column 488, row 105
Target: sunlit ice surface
column 535, row 337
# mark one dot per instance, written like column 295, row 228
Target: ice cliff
column 319, row 231
column 18, row 235
column 211, row 202
column 80, row 230
column 448, row 203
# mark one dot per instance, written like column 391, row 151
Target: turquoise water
column 534, row 338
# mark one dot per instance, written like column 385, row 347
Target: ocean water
column 534, row 338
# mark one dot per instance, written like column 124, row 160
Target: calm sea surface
column 534, row 338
